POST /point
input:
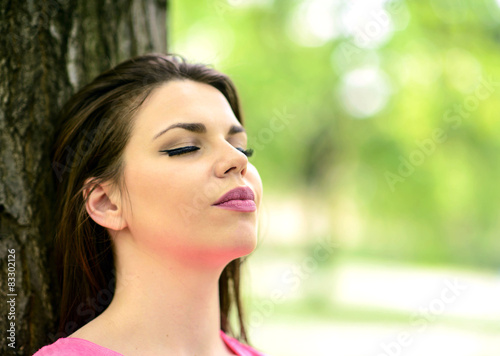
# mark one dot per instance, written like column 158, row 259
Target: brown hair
column 96, row 125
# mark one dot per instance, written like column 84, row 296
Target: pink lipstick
column 238, row 199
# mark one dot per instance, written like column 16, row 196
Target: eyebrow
column 198, row 128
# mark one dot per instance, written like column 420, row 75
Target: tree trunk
column 48, row 49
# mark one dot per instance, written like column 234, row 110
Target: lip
column 237, row 199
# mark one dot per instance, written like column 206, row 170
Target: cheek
column 254, row 179
column 159, row 196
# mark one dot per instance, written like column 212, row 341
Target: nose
column 230, row 160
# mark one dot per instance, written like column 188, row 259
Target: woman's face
column 169, row 197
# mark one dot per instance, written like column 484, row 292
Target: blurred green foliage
column 385, row 125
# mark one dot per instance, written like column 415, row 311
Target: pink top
column 73, row 346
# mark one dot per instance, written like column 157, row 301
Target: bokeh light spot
column 365, row 91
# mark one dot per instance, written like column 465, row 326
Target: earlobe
column 103, row 207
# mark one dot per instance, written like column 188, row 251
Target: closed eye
column 187, row 149
column 180, row 150
column 248, row 152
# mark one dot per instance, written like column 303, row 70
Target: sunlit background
column 376, row 131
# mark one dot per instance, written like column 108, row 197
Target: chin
column 246, row 245
column 246, row 249
column 238, row 246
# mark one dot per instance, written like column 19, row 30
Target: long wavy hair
column 95, row 125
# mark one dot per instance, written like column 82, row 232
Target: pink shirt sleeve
column 79, row 347
column 239, row 348
column 73, row 346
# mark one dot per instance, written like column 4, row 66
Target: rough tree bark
column 48, row 49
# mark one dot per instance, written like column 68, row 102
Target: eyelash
column 248, row 152
column 187, row 149
column 181, row 150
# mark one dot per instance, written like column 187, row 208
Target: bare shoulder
column 97, row 331
column 101, row 334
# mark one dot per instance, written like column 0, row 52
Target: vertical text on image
column 11, row 297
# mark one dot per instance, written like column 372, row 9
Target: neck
column 164, row 305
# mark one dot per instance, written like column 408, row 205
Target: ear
column 104, row 206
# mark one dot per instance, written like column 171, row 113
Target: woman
column 155, row 184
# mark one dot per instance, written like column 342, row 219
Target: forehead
column 184, row 101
